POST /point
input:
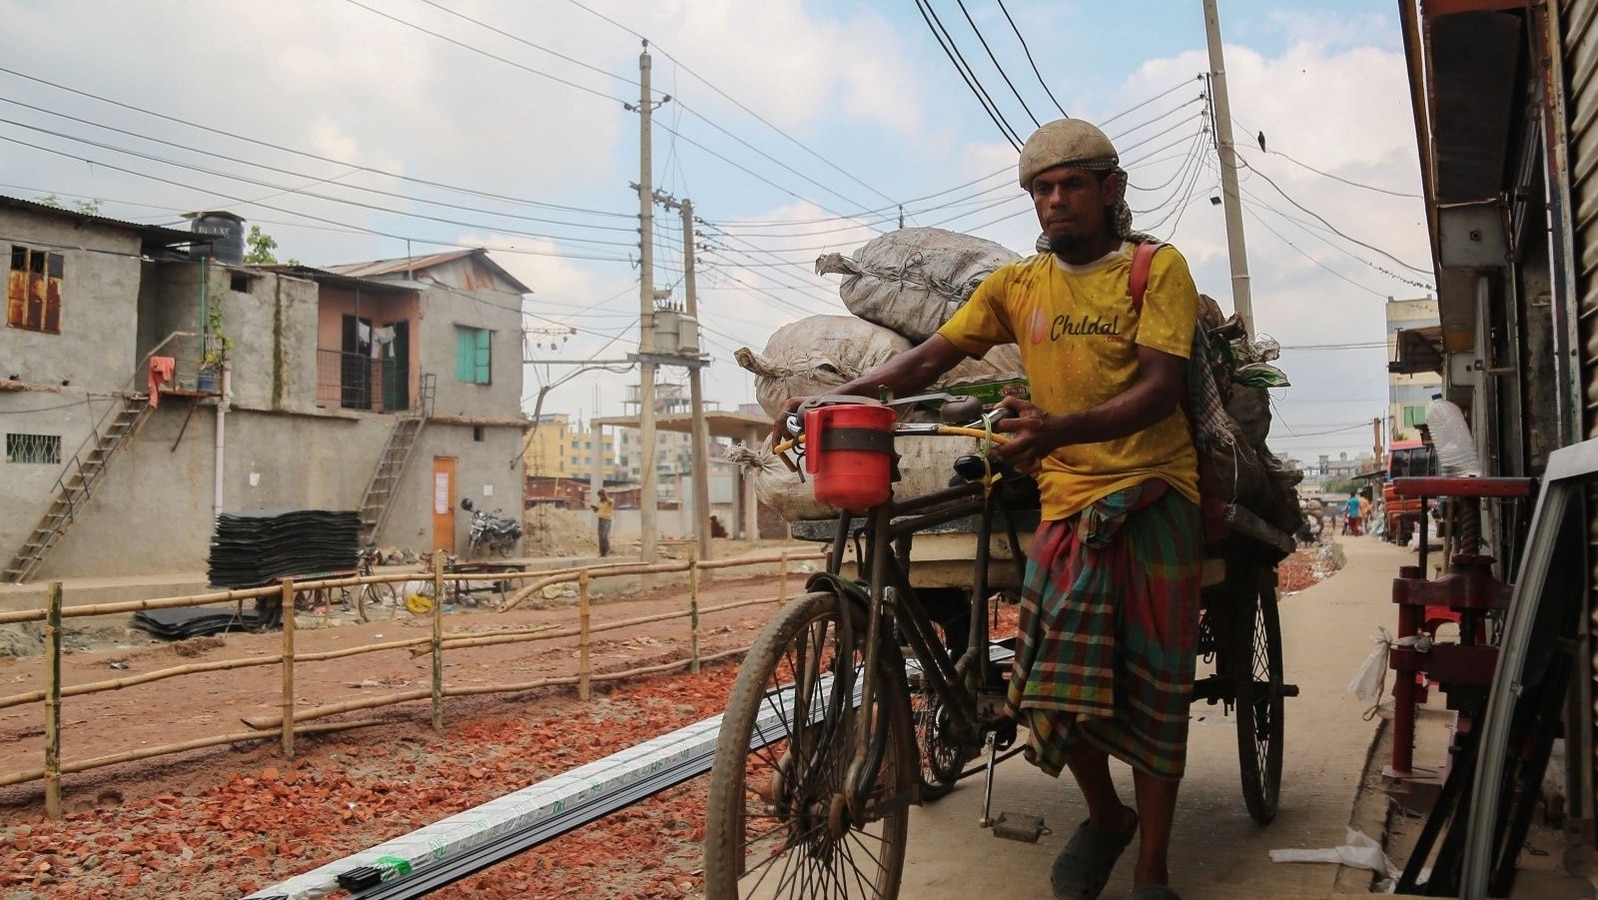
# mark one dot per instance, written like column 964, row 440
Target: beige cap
column 1066, row 142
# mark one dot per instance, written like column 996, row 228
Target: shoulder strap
column 1142, row 261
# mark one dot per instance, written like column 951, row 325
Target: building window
column 44, row 449
column 477, row 433
column 1414, row 416
column 33, row 290
column 472, row 355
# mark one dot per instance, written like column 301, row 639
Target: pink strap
column 1142, row 262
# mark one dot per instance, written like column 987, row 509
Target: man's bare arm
column 1161, row 385
column 902, row 375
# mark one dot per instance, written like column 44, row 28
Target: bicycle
column 821, row 751
column 370, row 593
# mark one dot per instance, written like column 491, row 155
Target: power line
column 953, row 54
column 995, row 60
column 1329, row 225
column 259, row 183
column 278, row 169
column 309, row 155
column 478, row 50
column 734, row 101
column 1028, row 51
column 362, row 229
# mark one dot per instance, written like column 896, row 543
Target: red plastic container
column 849, row 455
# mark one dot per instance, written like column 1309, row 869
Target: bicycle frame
column 891, row 527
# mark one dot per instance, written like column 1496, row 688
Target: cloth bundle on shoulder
column 912, row 280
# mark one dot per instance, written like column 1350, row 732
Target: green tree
column 261, row 247
column 87, row 207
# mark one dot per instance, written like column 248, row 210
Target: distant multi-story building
column 1408, row 394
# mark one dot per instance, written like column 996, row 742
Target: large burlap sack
column 815, row 355
column 925, row 465
column 912, row 280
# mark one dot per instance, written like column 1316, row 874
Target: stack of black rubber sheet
column 252, row 549
column 177, row 624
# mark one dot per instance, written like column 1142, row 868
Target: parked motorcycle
column 491, row 531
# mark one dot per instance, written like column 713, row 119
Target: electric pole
column 1242, row 302
column 647, row 499
column 696, row 394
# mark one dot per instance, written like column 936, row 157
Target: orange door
column 444, row 503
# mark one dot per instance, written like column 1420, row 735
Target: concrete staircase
column 391, row 464
column 77, row 481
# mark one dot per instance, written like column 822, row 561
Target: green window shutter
column 483, row 358
column 465, row 353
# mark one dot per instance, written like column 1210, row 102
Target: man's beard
column 1066, row 244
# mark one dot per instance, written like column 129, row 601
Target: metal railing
column 358, row 381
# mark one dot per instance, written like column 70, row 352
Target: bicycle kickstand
column 1018, row 827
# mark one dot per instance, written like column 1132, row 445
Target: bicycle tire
column 788, row 835
column 1256, row 669
column 373, row 595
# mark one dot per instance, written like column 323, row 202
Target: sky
column 364, row 129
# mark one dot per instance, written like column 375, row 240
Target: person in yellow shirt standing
column 1109, row 610
column 604, row 511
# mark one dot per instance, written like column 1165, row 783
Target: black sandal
column 1083, row 868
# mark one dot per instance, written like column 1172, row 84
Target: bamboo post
column 782, row 579
column 583, row 687
column 52, row 705
column 693, row 610
column 288, row 668
column 438, row 640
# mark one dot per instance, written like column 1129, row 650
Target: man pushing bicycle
column 1109, row 610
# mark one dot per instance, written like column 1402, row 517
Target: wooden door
column 443, row 489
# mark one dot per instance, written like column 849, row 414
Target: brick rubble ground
column 251, row 819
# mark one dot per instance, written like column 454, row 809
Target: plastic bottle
column 1456, row 449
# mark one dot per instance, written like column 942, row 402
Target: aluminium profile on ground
column 455, row 847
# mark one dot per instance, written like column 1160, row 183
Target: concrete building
column 277, row 387
column 1409, row 392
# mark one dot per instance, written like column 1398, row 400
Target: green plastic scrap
column 1260, row 375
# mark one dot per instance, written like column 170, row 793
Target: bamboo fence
column 291, row 722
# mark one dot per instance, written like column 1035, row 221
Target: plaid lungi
column 1109, row 630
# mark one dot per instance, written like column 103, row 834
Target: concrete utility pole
column 696, row 395
column 1242, row 301
column 647, row 500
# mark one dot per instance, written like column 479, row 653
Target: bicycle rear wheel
column 1257, row 678
column 778, row 824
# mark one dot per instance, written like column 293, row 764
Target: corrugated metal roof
column 380, row 267
column 161, row 235
column 339, row 279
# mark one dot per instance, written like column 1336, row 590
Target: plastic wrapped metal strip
column 455, row 847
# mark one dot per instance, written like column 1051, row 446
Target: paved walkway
column 1218, row 851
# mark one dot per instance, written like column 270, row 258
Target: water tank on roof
column 226, row 231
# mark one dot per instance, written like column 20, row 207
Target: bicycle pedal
column 1020, row 827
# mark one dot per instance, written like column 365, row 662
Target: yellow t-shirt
column 1078, row 339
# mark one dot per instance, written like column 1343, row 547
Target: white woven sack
column 815, row 355
column 912, row 280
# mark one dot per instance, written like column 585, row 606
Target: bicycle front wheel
column 778, row 820
column 1257, row 678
